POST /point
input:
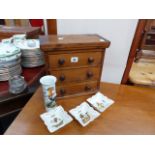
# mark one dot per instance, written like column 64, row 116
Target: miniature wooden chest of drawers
column 76, row 61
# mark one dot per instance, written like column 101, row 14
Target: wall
column 119, row 32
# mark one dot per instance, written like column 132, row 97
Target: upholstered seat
column 143, row 72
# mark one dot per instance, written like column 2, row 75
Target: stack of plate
column 32, row 56
column 10, row 59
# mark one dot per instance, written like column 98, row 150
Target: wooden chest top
column 61, row 42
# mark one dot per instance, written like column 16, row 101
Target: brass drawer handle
column 62, row 78
column 90, row 60
column 87, row 88
column 61, row 61
column 62, row 91
column 89, row 74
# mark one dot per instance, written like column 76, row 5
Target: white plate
column 8, row 50
column 27, row 44
column 100, row 102
column 10, row 58
column 19, row 37
column 7, row 41
column 32, row 58
column 56, row 119
column 84, row 114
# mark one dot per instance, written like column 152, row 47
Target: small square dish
column 56, row 119
column 100, row 102
column 84, row 114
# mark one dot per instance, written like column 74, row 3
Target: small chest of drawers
column 76, row 61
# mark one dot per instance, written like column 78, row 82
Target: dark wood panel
column 52, row 26
column 2, row 22
column 31, row 32
column 11, row 104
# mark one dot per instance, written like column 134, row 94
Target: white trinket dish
column 56, row 119
column 84, row 114
column 100, row 102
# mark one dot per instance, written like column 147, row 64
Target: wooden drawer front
column 76, row 88
column 77, row 75
column 75, row 59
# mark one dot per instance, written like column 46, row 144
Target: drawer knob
column 87, row 88
column 90, row 60
column 62, row 77
column 62, row 91
column 61, row 61
column 89, row 74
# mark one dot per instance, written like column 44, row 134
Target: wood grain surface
column 143, row 72
column 78, row 88
column 132, row 113
column 59, row 42
column 85, row 58
column 77, row 75
column 31, row 32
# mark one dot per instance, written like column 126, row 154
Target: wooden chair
column 143, row 69
column 143, row 72
column 17, row 22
